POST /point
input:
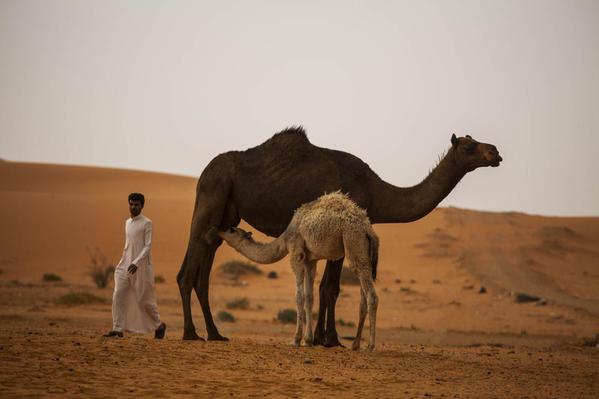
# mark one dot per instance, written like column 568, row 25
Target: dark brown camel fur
column 264, row 185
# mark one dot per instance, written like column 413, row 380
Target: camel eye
column 470, row 148
column 231, row 229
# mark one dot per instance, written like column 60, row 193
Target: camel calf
column 331, row 227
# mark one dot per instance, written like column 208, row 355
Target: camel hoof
column 355, row 345
column 318, row 340
column 331, row 342
column 192, row 336
column 217, row 337
column 370, row 348
column 308, row 342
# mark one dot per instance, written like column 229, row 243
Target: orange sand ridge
column 437, row 334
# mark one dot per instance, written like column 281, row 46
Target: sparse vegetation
column 287, row 316
column 99, row 270
column 225, row 316
column 592, row 341
column 239, row 303
column 344, row 323
column 50, row 277
column 79, row 298
column 348, row 277
column 159, row 279
column 411, row 327
column 234, row 269
column 272, row 274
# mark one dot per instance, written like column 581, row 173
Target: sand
column 437, row 335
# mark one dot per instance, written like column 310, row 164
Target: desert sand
column 448, row 324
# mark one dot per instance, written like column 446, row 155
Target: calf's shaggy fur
column 331, row 227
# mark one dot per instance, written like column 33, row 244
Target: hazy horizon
column 165, row 87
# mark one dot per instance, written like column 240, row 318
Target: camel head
column 235, row 235
column 471, row 154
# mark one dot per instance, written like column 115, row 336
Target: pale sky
column 167, row 85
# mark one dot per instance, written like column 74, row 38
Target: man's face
column 135, row 207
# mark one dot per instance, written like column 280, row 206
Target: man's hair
column 137, row 197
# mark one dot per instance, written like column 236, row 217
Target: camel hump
column 289, row 138
column 290, row 133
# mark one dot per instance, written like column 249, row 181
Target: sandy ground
column 437, row 336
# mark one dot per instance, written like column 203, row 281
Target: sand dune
column 430, row 276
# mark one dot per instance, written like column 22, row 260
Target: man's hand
column 132, row 268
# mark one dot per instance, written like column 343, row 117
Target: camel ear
column 454, row 140
column 469, row 136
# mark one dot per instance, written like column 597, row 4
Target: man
column 134, row 306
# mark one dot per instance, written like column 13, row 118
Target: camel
column 331, row 227
column 265, row 184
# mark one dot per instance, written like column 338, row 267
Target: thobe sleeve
column 147, row 243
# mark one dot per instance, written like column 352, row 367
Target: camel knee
column 181, row 279
column 373, row 299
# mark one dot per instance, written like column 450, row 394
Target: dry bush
column 225, row 316
column 239, row 303
column 344, row 323
column 79, row 298
column 50, row 277
column 99, row 269
column 235, row 269
column 287, row 316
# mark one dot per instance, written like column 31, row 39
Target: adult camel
column 263, row 185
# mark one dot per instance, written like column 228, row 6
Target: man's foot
column 160, row 331
column 113, row 333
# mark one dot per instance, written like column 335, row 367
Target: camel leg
column 298, row 268
column 322, row 307
column 328, row 293
column 372, row 302
column 361, row 319
column 211, row 203
column 310, row 267
column 202, row 286
column 331, row 294
column 230, row 218
column 185, row 279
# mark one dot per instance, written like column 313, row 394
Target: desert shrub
column 348, row 277
column 79, row 298
column 225, row 316
column 236, row 268
column 51, row 277
column 344, row 323
column 239, row 303
column 99, row 269
column 159, row 279
column 287, row 316
column 272, row 274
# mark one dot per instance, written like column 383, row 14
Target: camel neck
column 393, row 204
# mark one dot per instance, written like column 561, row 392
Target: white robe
column 134, row 306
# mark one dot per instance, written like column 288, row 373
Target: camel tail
column 373, row 241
